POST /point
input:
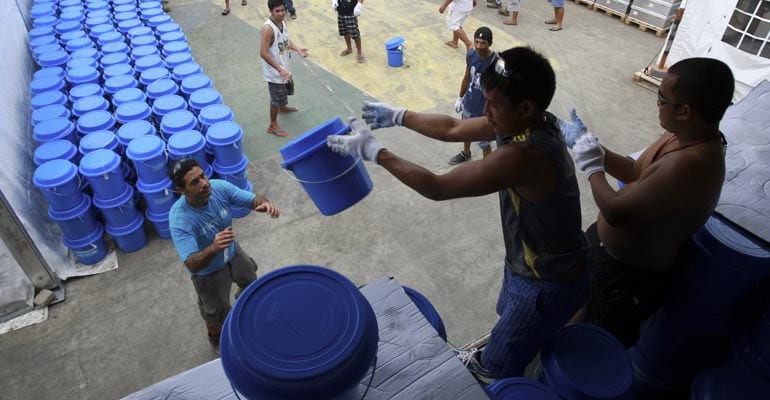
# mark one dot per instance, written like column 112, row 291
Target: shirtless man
column 671, row 190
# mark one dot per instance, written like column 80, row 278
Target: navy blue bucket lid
column 52, row 129
column 40, row 85
column 225, row 170
column 145, row 147
column 132, row 111
column 80, row 75
column 175, row 59
column 204, row 97
column 50, row 71
column 195, row 82
column 519, row 388
column 585, row 361
column 148, row 62
column 162, row 87
column 393, row 43
column 177, row 121
column 154, row 187
column 127, row 229
column 53, row 173
column 74, row 212
column 224, row 133
column 119, row 200
column 53, row 58
column 215, row 113
column 182, row 71
column 76, row 243
column 93, row 121
column 727, row 383
column 166, row 104
column 117, row 70
column 310, row 139
column 133, row 130
column 88, row 104
column 98, row 162
column 47, row 98
column 301, row 331
column 49, row 112
column 151, row 75
column 98, row 140
column 114, row 58
column 733, row 246
column 120, row 82
column 128, row 95
column 84, row 90
column 59, row 149
column 186, row 143
column 427, row 310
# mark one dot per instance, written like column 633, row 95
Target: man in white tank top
column 276, row 69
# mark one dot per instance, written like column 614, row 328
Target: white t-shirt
column 279, row 50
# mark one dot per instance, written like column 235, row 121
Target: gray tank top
column 544, row 240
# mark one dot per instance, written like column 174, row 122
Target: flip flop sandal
column 278, row 132
column 226, row 11
column 288, row 109
column 345, row 52
column 243, row 3
column 361, row 60
column 555, row 28
column 448, row 43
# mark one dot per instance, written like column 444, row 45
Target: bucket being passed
column 333, row 182
column 299, row 332
column 89, row 249
column 427, row 310
column 519, row 388
column 395, row 48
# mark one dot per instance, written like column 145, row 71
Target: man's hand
column 572, row 130
column 269, row 208
column 223, row 239
column 359, row 142
column 459, row 105
column 303, row 52
column 589, row 154
column 382, row 115
column 285, row 74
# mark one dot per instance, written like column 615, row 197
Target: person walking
column 558, row 15
column 458, row 12
column 347, row 26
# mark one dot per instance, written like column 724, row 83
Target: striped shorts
column 348, row 25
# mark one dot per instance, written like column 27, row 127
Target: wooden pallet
column 610, row 12
column 647, row 81
column 588, row 3
column 643, row 26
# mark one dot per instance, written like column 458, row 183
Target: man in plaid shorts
column 347, row 25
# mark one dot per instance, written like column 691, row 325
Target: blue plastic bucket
column 120, row 210
column 43, row 40
column 55, row 58
column 139, row 52
column 80, row 75
column 39, row 51
column 53, row 129
column 235, row 211
column 85, row 105
column 182, row 71
column 117, row 70
column 111, row 36
column 60, row 149
column 99, row 140
column 39, row 31
column 166, row 104
column 158, row 196
column 79, row 44
column 117, row 83
column 519, row 388
column 87, row 89
column 48, row 20
column 148, row 154
column 204, row 97
column 151, row 75
column 212, row 114
column 139, row 31
column 583, row 361
column 82, row 62
column 50, row 112
column 129, row 238
column 299, row 332
column 187, row 144
column 133, row 111
column 89, row 53
column 726, row 262
column 225, row 141
column 127, row 25
column 100, row 29
column 235, row 174
column 157, row 20
column 177, row 121
column 103, row 170
column 133, row 130
column 395, row 49
column 115, row 47
column 333, row 182
column 728, row 383
column 175, row 47
column 173, row 36
column 59, row 182
column 167, row 27
column 148, row 62
column 47, row 98
column 161, row 87
column 124, row 96
column 50, row 71
column 40, row 85
column 194, row 82
column 77, row 222
column 427, row 310
column 90, row 249
column 160, row 223
column 143, row 40
column 174, row 60
column 94, row 121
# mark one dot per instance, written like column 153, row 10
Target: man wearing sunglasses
column 544, row 279
column 670, row 192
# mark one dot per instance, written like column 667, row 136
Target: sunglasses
column 662, row 101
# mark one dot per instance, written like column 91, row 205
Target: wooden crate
column 613, row 7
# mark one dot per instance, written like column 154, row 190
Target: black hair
column 705, row 84
column 179, row 168
column 271, row 4
column 530, row 77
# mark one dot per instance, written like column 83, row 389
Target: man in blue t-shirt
column 201, row 228
column 470, row 103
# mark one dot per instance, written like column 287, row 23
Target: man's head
column 482, row 39
column 276, row 7
column 188, row 179
column 518, row 87
column 703, row 86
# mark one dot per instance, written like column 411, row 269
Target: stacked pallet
column 657, row 15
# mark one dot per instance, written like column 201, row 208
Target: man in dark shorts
column 347, row 26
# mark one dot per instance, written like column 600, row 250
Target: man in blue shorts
column 470, row 103
column 201, row 228
column 558, row 15
column 544, row 279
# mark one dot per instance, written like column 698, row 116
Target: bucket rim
column 223, row 133
column 93, row 237
column 99, row 162
column 54, row 173
column 530, row 387
column 186, row 142
column 231, row 169
column 113, row 202
column 74, row 212
column 127, row 229
column 54, row 150
column 103, row 139
column 154, row 187
column 312, row 149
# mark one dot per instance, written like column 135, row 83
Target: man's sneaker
column 472, row 360
column 461, row 157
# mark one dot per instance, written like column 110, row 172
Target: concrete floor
column 123, row 330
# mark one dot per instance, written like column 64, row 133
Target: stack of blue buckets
column 118, row 96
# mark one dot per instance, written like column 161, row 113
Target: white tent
column 733, row 31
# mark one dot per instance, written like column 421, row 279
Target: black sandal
column 226, row 11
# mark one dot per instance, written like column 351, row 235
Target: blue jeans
column 290, row 7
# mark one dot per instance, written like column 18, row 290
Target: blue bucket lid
column 182, row 71
column 173, row 36
column 132, row 111
column 133, row 130
column 53, row 173
column 91, row 238
column 311, row 138
column 97, row 162
column 58, row 149
column 148, row 62
column 125, row 15
column 38, row 31
column 98, row 140
column 168, row 103
column 154, row 187
column 301, row 331
column 43, row 41
column 149, row 12
column 81, row 62
column 50, row 71
column 50, row 112
column 161, row 87
column 204, row 97
column 115, row 47
column 124, row 96
column 48, row 20
column 82, row 74
column 158, row 19
column 66, row 26
column 195, row 82
column 186, row 142
column 127, row 229
column 139, row 31
column 585, row 361
column 177, row 121
column 97, row 5
column 143, row 5
column 66, row 37
column 145, row 147
column 394, row 42
column 109, row 37
column 79, row 43
column 53, row 58
column 114, row 58
column 100, row 29
column 74, row 212
column 127, row 25
column 125, row 8
column 144, row 51
column 426, row 309
column 520, row 388
column 215, row 113
column 175, row 59
column 153, row 74
column 728, row 242
column 93, row 121
column 729, row 382
column 175, row 47
column 100, row 13
column 40, row 85
column 84, row 90
column 120, row 82
column 224, row 133
column 47, row 98
column 224, row 170
column 144, row 40
column 167, row 27
column 88, row 52
column 118, row 69
column 116, row 201
column 48, row 48
column 52, row 129
column 87, row 104
column 41, row 10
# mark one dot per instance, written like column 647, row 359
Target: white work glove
column 382, row 115
column 335, row 3
column 359, row 142
column 572, row 130
column 589, row 154
column 357, row 9
column 459, row 105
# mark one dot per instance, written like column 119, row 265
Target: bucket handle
column 358, row 159
column 165, row 154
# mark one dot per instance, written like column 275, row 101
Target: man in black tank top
column 532, row 172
